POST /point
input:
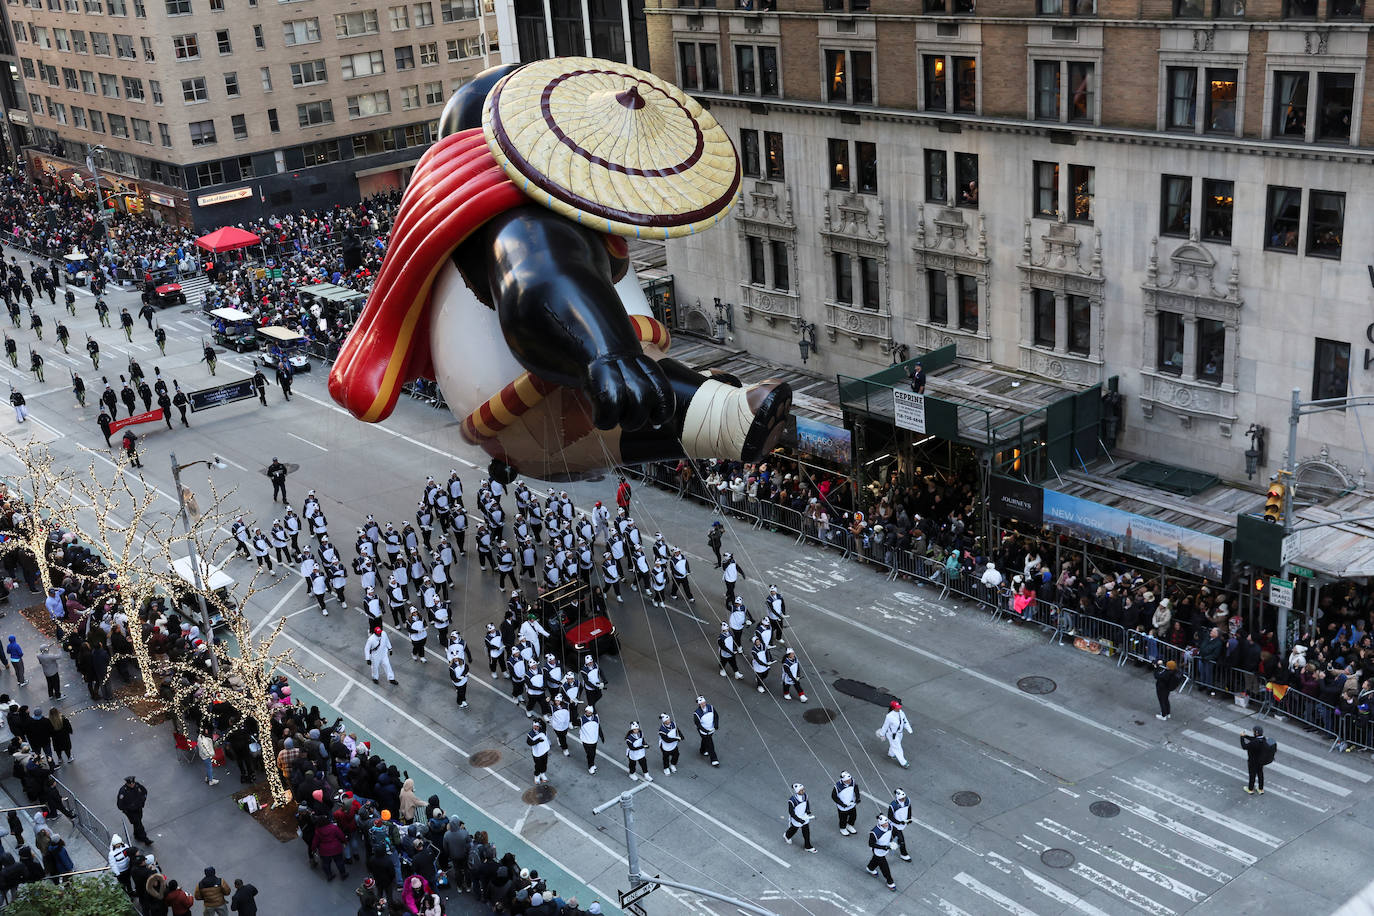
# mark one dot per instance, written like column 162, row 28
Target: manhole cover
column 541, row 794
column 819, row 715
column 966, row 799
column 483, row 759
column 1057, row 858
column 1037, row 685
column 1105, row 809
column 861, row 691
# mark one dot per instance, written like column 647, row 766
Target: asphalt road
column 1180, row 835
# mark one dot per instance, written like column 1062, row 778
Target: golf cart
column 78, row 268
column 234, row 329
column 278, row 343
column 166, row 294
column 566, row 611
column 217, row 584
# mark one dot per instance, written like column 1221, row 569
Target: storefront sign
column 909, row 410
column 1011, row 498
column 19, row 117
column 162, row 200
column 206, row 398
column 223, row 197
column 823, row 441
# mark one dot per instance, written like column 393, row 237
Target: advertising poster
column 821, row 440
column 1125, row 532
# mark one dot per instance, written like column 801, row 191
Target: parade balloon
column 507, row 277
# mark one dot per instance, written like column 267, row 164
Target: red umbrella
column 227, row 239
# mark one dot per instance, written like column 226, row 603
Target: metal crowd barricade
column 91, row 827
column 1310, row 711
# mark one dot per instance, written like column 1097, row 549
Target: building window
column 844, row 278
column 410, row 97
column 87, row 82
column 700, row 68
column 756, row 69
column 1330, row 95
column 968, row 302
column 1066, row 7
column 369, row 104
column 239, row 123
column 265, row 73
column 109, row 85
column 1335, row 105
column 1299, row 9
column 1081, row 193
column 1043, row 310
column 259, row 40
column 79, row 41
column 946, row 6
column 308, row 72
column 1047, row 90
column 966, row 178
column 97, row 120
column 124, row 46
column 773, row 160
column 367, row 63
column 1190, row 9
column 839, row 165
column 185, row 47
column 1325, row 223
column 313, row 114
column 937, row 285
column 1221, row 100
column 209, row 173
column 193, row 89
column 849, row 76
column 164, row 134
column 1080, row 325
column 422, row 14
column 202, row 132
column 300, row 32
column 1181, row 107
column 937, row 177
column 463, row 48
column 1345, row 9
column 178, row 7
column 405, row 58
column 1290, row 104
column 781, row 272
column 223, row 42
column 133, row 88
column 1176, row 205
column 935, row 71
column 79, row 117
column 434, row 93
column 351, row 25
column 1045, row 203
column 1211, row 350
column 749, row 153
column 1218, row 200
column 1052, row 104
column 457, row 10
column 399, row 17
column 757, row 267
column 231, row 85
column 866, row 155
column 1081, row 87
column 1283, row 216
column 1330, row 369
column 273, row 124
column 143, row 130
column 246, row 169
column 1170, row 356
column 146, row 44
column 429, row 54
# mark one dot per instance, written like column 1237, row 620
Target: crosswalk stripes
column 1325, row 762
column 1239, row 774
column 1093, row 876
column 1115, row 856
column 1202, row 811
column 1235, row 750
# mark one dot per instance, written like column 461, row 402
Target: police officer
column 707, row 721
column 799, row 817
column 276, row 472
column 260, row 386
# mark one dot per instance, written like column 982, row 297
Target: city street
column 1054, row 795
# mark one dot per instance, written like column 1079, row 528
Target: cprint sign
column 206, row 398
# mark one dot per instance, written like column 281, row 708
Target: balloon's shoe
column 729, row 421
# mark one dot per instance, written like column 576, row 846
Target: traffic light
column 1273, row 503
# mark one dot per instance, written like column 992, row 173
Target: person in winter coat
column 119, row 858
column 1166, row 679
column 329, row 842
column 177, row 900
column 213, row 891
column 410, row 804
column 416, row 889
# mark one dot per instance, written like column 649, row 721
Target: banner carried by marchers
column 151, row 416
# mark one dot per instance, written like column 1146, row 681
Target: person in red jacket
column 329, row 841
column 622, row 494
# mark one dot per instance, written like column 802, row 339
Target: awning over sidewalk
column 1341, row 550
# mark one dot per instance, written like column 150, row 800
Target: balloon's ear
column 464, row 108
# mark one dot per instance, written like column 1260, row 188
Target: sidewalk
column 193, row 825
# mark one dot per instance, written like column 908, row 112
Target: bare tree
column 50, row 504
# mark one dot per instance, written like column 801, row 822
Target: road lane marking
column 1173, row 855
column 307, row 442
column 1117, row 857
column 1093, row 876
column 997, row 899
column 1314, row 781
column 1202, row 811
column 1178, row 827
column 391, row 432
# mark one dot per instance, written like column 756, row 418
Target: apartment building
column 1175, row 193
column 539, row 29
column 212, row 111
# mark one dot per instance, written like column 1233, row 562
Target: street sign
column 206, row 398
column 636, row 909
column 1302, row 571
column 1281, row 592
column 638, row 893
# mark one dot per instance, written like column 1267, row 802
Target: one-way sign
column 637, row 893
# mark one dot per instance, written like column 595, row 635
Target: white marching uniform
column 894, row 724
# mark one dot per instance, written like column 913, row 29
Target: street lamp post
column 191, row 554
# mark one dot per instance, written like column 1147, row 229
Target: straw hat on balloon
column 612, row 147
